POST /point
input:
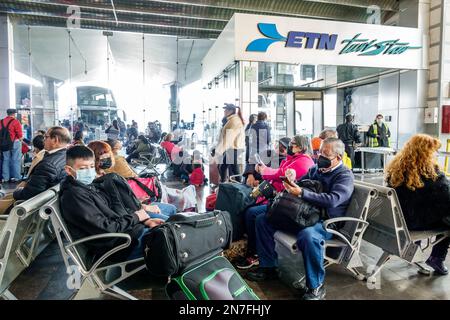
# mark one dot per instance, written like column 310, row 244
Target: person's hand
column 250, row 180
column 151, row 223
column 153, row 209
column 260, row 167
column 292, row 188
column 142, row 215
column 291, row 175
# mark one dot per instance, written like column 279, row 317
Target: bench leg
column 358, row 275
column 119, row 293
column 380, row 264
column 7, row 295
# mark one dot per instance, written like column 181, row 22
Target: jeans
column 12, row 162
column 250, row 220
column 167, row 210
column 229, row 163
column 138, row 250
column 310, row 241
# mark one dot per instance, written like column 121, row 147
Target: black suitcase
column 235, row 198
column 185, row 240
column 214, row 279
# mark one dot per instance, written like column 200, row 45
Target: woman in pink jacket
column 299, row 161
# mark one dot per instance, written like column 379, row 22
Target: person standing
column 379, row 133
column 113, row 131
column 231, row 142
column 11, row 146
column 349, row 134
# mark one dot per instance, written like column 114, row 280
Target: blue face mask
column 86, row 176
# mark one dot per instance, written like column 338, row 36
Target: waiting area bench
column 88, row 275
column 23, row 236
column 388, row 231
column 342, row 249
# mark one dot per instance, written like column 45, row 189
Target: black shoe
column 446, row 220
column 438, row 266
column 262, row 274
column 315, row 294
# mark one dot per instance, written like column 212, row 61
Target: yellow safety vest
column 373, row 142
column 347, row 161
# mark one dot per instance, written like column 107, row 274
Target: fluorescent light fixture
column 22, row 78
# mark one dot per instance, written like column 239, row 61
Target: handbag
column 147, row 190
column 291, row 214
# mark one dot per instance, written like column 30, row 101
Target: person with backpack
column 11, row 136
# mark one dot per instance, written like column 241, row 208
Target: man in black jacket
column 349, row 134
column 88, row 211
column 50, row 170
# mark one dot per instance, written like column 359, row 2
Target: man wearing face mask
column 337, row 182
column 88, row 211
column 379, row 133
column 50, row 170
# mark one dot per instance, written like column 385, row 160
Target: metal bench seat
column 388, row 231
column 23, row 236
column 343, row 248
column 91, row 276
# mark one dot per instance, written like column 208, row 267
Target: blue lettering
column 327, row 41
column 310, row 39
column 295, row 39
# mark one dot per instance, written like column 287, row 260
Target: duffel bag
column 235, row 198
column 184, row 240
column 291, row 214
column 214, row 279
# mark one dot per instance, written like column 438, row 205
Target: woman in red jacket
column 295, row 166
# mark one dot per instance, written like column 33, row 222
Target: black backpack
column 6, row 142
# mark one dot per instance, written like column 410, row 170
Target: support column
column 7, row 87
column 248, row 88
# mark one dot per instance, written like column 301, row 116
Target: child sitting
column 197, row 177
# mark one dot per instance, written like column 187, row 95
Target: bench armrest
column 107, row 254
column 326, row 223
column 233, row 178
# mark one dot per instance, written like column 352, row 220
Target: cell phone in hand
column 285, row 179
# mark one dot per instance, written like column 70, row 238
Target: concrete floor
column 46, row 277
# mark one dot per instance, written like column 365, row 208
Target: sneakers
column 262, row 274
column 315, row 294
column 245, row 263
column 438, row 265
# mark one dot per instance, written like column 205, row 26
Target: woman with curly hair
column 423, row 192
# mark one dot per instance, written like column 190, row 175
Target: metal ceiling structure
column 183, row 18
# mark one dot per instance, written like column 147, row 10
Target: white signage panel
column 310, row 41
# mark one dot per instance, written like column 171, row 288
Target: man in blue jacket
column 337, row 181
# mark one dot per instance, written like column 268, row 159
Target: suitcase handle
column 205, row 222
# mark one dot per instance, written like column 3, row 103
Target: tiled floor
column 46, row 277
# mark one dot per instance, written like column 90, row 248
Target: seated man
column 337, row 181
column 88, row 212
column 50, row 170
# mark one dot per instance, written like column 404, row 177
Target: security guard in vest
column 379, row 133
column 349, row 134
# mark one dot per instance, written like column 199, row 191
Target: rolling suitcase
column 235, row 198
column 214, row 279
column 214, row 173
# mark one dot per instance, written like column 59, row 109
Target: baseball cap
column 229, row 106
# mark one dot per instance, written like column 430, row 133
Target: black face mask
column 323, row 163
column 289, row 151
column 105, row 163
